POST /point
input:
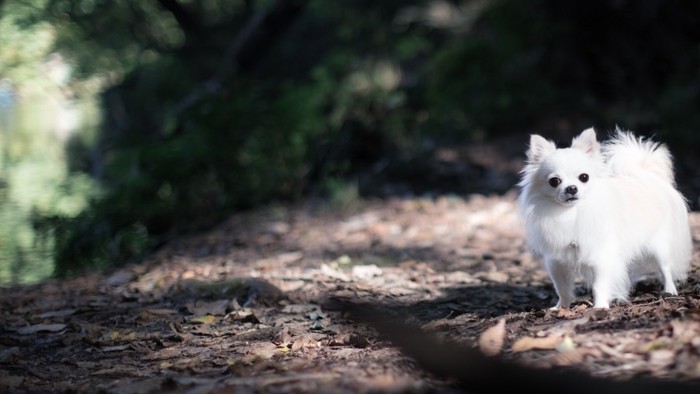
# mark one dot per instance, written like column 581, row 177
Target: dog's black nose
column 571, row 190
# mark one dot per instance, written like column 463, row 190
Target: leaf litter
column 248, row 307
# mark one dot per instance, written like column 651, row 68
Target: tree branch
column 247, row 48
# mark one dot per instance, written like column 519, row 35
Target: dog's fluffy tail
column 626, row 154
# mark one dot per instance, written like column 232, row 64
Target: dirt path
column 243, row 307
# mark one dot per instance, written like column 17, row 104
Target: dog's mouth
column 572, row 198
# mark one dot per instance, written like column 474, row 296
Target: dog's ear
column 587, row 142
column 539, row 148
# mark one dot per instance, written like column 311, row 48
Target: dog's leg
column 563, row 277
column 664, row 266
column 665, row 259
column 611, row 280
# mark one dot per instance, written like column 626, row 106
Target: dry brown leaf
column 342, row 339
column 496, row 277
column 529, row 343
column 491, row 340
column 282, row 338
column 259, row 352
column 305, row 341
column 243, row 315
column 564, row 313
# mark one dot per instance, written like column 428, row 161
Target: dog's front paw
column 565, row 302
column 602, row 304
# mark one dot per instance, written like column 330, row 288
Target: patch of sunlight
column 36, row 183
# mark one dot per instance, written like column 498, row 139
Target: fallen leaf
column 259, row 352
column 496, row 276
column 662, row 358
column 28, row 330
column 117, row 348
column 61, row 313
column 529, row 343
column 491, row 340
column 165, row 364
column 301, row 343
column 566, row 345
column 657, row 344
column 359, row 341
column 243, row 315
column 305, row 341
column 282, row 338
column 564, row 313
column 339, row 340
column 118, row 336
column 205, row 319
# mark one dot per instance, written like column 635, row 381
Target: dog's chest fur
column 560, row 232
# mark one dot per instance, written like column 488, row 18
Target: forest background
column 165, row 116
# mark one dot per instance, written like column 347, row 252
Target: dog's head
column 562, row 175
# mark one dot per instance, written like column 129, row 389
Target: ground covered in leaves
column 245, row 307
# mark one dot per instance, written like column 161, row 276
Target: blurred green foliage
column 212, row 106
column 35, row 188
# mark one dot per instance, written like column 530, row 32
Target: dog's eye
column 583, row 178
column 554, row 181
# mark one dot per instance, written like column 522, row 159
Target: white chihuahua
column 610, row 213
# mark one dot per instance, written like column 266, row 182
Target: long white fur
column 626, row 220
column 626, row 154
